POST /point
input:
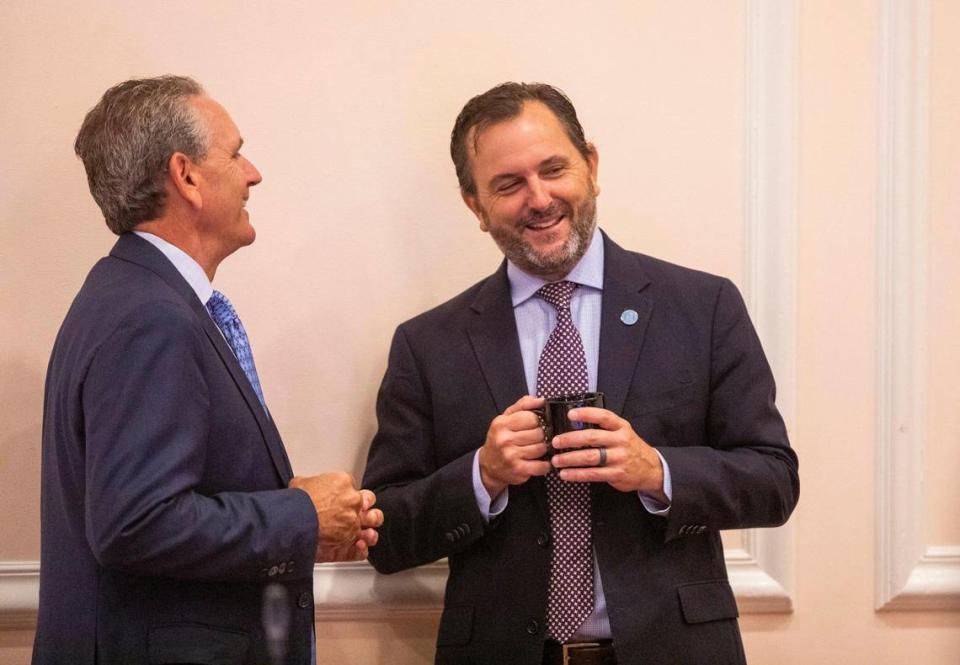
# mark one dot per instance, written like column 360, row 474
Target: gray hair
column 126, row 142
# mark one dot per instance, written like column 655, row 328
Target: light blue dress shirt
column 536, row 319
column 189, row 269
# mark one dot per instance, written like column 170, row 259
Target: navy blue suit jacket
column 692, row 379
column 164, row 500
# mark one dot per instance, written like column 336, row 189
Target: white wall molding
column 762, row 571
column 910, row 574
column 19, row 592
column 355, row 592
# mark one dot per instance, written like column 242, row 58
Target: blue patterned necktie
column 563, row 369
column 225, row 316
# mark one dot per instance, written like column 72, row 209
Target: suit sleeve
column 746, row 474
column 146, row 407
column 430, row 510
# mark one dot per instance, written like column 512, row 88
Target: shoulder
column 456, row 311
column 122, row 299
column 667, row 280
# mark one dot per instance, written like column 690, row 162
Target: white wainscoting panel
column 910, row 573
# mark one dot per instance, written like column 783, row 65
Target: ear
column 185, row 178
column 474, row 205
column 593, row 161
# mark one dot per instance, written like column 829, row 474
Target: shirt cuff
column 652, row 505
column 488, row 508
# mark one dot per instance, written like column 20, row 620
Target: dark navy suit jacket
column 164, row 508
column 692, row 379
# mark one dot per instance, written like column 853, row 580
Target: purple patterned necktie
column 562, row 370
column 225, row 316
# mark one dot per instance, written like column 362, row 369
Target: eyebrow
column 239, row 145
column 553, row 160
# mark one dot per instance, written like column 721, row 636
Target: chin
column 249, row 234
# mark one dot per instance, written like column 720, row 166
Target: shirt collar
column 587, row 272
column 189, row 269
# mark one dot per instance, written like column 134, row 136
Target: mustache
column 555, row 209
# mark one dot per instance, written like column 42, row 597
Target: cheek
column 504, row 212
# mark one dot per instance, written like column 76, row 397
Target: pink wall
column 346, row 110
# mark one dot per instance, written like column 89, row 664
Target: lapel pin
column 629, row 317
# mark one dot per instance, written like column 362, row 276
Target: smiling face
column 227, row 177
column 536, row 194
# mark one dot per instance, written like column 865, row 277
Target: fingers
column 368, row 537
column 519, row 421
column 589, row 457
column 591, row 474
column 525, row 403
column 369, row 499
column 601, row 417
column 609, row 430
column 535, row 468
column 371, row 519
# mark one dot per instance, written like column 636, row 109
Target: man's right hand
column 346, row 517
column 510, row 455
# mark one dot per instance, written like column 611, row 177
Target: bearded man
column 606, row 549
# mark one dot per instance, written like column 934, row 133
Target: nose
column 539, row 198
column 253, row 175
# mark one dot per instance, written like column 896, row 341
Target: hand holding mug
column 607, row 451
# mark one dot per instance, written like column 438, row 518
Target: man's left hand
column 630, row 464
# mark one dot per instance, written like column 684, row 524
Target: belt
column 579, row 653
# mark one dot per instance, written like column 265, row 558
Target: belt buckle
column 567, row 650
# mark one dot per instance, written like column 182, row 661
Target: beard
column 557, row 263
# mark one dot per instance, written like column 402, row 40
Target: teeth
column 545, row 224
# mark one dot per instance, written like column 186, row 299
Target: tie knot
column 220, row 308
column 558, row 294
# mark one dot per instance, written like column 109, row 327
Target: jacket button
column 543, row 539
column 533, row 627
column 304, row 600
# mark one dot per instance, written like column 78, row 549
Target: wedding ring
column 603, row 457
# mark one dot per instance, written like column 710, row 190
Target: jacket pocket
column 456, row 626
column 197, row 643
column 707, row 601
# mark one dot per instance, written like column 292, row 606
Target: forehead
column 519, row 142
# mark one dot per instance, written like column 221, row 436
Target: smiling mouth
column 545, row 224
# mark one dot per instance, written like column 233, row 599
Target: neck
column 184, row 236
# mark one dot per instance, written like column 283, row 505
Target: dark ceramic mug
column 555, row 419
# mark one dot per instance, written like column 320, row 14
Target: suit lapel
column 623, row 284
column 131, row 247
column 493, row 335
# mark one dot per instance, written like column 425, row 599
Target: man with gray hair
column 169, row 507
